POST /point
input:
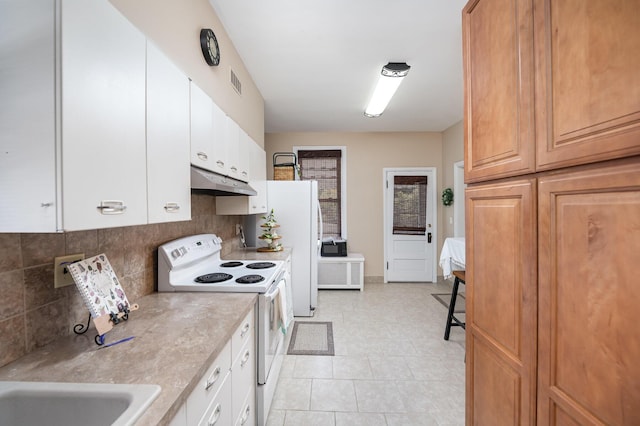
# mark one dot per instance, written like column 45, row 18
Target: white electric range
column 193, row 264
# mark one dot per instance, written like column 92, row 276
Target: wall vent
column 236, row 83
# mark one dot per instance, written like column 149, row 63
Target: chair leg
column 452, row 307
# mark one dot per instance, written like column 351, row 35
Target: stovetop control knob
column 175, row 253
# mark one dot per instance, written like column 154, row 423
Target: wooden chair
column 451, row 318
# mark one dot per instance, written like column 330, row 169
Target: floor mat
column 311, row 338
column 445, row 298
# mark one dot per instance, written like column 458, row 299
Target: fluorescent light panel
column 390, row 78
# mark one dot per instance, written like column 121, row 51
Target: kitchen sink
column 71, row 404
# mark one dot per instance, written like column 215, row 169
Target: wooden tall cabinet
column 501, row 321
column 552, row 144
column 589, row 253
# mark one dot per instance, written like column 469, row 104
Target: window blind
column 323, row 166
column 409, row 205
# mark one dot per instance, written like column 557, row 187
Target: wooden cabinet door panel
column 498, row 62
column 589, row 343
column 587, row 81
column 502, row 302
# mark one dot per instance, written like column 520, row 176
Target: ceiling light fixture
column 390, row 78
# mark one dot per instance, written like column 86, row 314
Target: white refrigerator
column 296, row 209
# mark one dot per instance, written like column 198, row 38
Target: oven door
column 270, row 337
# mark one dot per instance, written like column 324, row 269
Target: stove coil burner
column 261, row 265
column 216, row 277
column 250, row 279
column 232, row 264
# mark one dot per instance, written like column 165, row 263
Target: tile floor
column 391, row 364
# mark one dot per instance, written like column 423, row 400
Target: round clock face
column 210, row 48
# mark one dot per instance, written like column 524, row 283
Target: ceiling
column 317, row 63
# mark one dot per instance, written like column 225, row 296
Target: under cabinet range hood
column 216, row 184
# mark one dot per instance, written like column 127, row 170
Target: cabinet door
column 233, row 147
column 202, row 129
column 220, row 142
column 589, row 241
column 103, row 117
column 501, row 303
column 27, row 120
column 258, row 169
column 245, row 151
column 168, row 168
column 498, row 62
column 587, row 81
column 253, row 204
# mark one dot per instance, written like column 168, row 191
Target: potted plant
column 269, row 233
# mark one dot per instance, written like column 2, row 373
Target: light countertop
column 250, row 253
column 177, row 336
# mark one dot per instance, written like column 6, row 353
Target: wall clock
column 210, row 48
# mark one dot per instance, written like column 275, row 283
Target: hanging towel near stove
column 285, row 312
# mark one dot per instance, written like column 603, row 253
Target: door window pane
column 409, row 205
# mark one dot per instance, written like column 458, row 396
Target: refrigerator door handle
column 321, row 227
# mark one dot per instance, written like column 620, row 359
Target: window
column 409, row 205
column 325, row 166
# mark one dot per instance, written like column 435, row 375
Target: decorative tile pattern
column 33, row 313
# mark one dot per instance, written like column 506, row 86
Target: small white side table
column 341, row 272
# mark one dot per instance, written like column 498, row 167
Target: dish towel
column 284, row 303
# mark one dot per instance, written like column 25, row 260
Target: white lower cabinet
column 225, row 395
column 243, row 378
column 219, row 412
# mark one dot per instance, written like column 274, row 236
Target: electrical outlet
column 61, row 275
column 238, row 228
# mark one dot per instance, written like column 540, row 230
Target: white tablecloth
column 452, row 256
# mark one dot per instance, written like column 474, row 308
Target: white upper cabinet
column 245, row 150
column 28, row 178
column 73, row 132
column 257, row 180
column 103, row 118
column 233, row 144
column 209, row 140
column 168, row 169
column 220, row 142
column 76, row 126
column 202, row 129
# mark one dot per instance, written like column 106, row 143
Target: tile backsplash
column 34, row 313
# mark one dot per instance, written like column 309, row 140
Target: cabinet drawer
column 209, row 384
column 247, row 415
column 243, row 378
column 243, row 334
column 219, row 410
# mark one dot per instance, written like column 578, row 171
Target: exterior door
column 410, row 231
